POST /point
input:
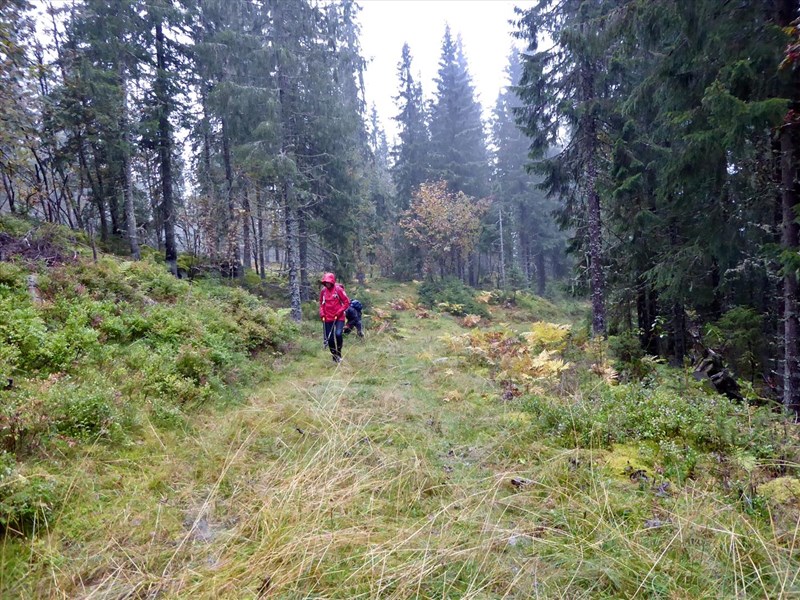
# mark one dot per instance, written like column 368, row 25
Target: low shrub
column 517, row 361
column 115, row 337
column 638, row 413
column 452, row 296
column 84, row 411
column 25, row 502
column 630, row 359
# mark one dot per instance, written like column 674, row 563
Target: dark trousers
column 334, row 337
column 354, row 323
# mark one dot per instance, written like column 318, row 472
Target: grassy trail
column 369, row 479
column 402, row 473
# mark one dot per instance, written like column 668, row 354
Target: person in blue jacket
column 353, row 314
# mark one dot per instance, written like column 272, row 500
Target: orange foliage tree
column 444, row 226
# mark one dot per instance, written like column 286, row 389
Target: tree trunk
column 113, row 210
column 302, row 227
column 247, row 250
column 645, row 317
column 502, row 254
column 594, row 232
column 541, row 274
column 678, row 334
column 155, row 207
column 8, row 185
column 716, row 299
column 790, row 240
column 207, row 186
column 262, row 271
column 473, row 268
column 165, row 153
column 292, row 253
column 127, row 177
column 98, row 195
column 231, row 241
column 596, row 252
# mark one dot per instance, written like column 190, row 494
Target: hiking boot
column 336, row 359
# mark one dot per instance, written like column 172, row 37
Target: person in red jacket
column 333, row 303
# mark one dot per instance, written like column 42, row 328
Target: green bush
column 452, row 295
column 630, row 413
column 23, row 334
column 310, row 311
column 25, row 420
column 631, row 360
column 195, row 364
column 538, row 307
column 25, row 502
column 84, row 411
column 124, row 326
column 166, row 414
column 11, row 275
column 155, row 281
column 13, row 225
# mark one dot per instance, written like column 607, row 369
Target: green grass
column 403, row 473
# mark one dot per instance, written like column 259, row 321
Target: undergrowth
column 452, row 296
column 90, row 351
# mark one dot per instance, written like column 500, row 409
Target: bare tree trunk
column 790, row 241
column 207, row 186
column 302, row 228
column 155, row 207
column 247, row 250
column 502, row 254
column 292, row 253
column 232, row 242
column 646, row 312
column 96, row 184
column 677, row 334
column 541, row 274
column 287, row 120
column 262, row 271
column 595, row 252
column 127, row 177
column 165, row 154
column 8, row 186
column 524, row 242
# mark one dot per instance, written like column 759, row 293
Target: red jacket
column 332, row 302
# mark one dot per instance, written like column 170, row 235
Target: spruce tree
column 527, row 212
column 458, row 143
column 411, row 153
column 564, row 88
column 13, row 62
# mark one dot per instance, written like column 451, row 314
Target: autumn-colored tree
column 444, row 226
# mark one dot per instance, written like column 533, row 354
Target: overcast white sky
column 387, row 24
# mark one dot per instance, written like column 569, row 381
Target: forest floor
column 401, row 473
